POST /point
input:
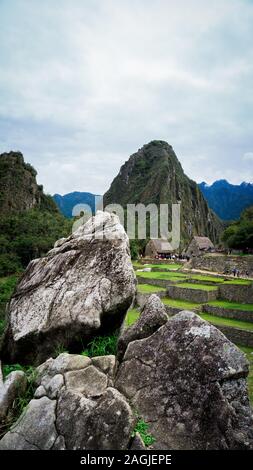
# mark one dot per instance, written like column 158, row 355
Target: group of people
column 236, row 272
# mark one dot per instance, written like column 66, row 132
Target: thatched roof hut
column 199, row 245
column 158, row 247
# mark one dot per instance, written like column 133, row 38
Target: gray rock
column 138, row 443
column 106, row 364
column 14, row 386
column 90, row 381
column 54, row 386
column 83, row 286
column 59, row 444
column 1, row 375
column 188, row 381
column 152, row 316
column 63, row 363
column 40, row 392
column 103, row 424
column 35, row 429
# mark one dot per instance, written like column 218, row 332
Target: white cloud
column 85, row 84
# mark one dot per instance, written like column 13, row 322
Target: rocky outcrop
column 83, row 287
column 188, row 382
column 19, row 188
column 77, row 408
column 153, row 315
column 181, row 375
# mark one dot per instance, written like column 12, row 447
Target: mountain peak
column 19, row 188
column 154, row 175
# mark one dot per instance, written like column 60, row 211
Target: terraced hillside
column 204, row 294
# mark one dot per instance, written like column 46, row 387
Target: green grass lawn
column 136, row 264
column 227, row 322
column 132, row 316
column 249, row 353
column 170, row 267
column 169, row 276
column 200, row 277
column 237, row 282
column 231, row 305
column 188, row 285
column 183, row 304
column 148, row 289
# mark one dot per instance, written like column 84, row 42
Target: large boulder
column 188, row 381
column 76, row 408
column 152, row 316
column 83, row 287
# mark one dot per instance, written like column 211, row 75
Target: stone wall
column 192, row 295
column 236, row 293
column 156, row 282
column 217, row 263
column 241, row 337
column 229, row 313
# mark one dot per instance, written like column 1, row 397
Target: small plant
column 142, row 428
column 7, row 369
column 101, row 346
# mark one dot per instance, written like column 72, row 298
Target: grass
column 188, row 285
column 141, row 427
column 183, row 304
column 169, row 267
column 231, row 305
column 249, row 353
column 136, row 264
column 162, row 275
column 102, row 346
column 243, row 325
column 132, row 316
column 237, row 282
column 200, row 277
column 148, row 289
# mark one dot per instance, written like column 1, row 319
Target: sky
column 86, row 83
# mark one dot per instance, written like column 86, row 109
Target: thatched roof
column 203, row 243
column 162, row 245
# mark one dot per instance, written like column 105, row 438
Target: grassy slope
column 165, row 267
column 184, row 304
column 231, row 305
column 188, row 285
column 132, row 316
column 162, row 275
column 148, row 289
column 243, row 325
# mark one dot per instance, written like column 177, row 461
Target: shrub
column 102, row 346
column 142, row 428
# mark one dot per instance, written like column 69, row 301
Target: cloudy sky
column 85, row 83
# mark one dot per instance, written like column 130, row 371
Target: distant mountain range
column 228, row 200
column 67, row 202
column 225, row 199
